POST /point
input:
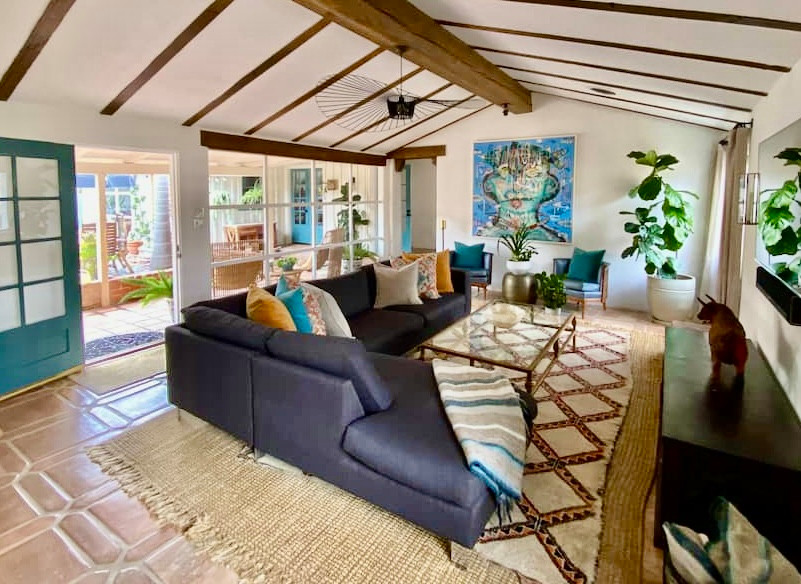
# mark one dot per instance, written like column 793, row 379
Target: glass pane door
column 40, row 333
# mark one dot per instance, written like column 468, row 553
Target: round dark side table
column 519, row 288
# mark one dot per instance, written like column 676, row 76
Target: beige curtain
column 711, row 281
column 730, row 233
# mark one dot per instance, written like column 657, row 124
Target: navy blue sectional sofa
column 346, row 410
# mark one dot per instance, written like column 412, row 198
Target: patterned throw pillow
column 426, row 273
column 310, row 302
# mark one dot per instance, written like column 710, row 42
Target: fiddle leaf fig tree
column 658, row 242
column 778, row 217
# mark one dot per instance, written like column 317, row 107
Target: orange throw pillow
column 444, row 282
column 268, row 310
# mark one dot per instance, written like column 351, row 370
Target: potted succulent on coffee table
column 671, row 295
column 551, row 288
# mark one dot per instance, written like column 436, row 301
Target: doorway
column 126, row 248
column 419, row 211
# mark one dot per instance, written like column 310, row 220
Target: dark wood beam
column 423, row 121
column 627, row 88
column 385, row 118
column 195, row 27
column 258, row 71
column 456, row 121
column 393, row 23
column 630, row 111
column 357, row 105
column 236, row 143
column 315, row 90
column 616, row 45
column 626, row 71
column 620, row 99
column 48, row 22
column 417, row 152
column 671, row 13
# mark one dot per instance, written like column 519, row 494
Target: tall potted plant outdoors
column 671, row 295
column 521, row 249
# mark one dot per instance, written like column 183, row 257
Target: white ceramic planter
column 518, row 267
column 671, row 300
column 554, row 311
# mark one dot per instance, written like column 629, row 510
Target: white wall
column 88, row 128
column 424, row 203
column 780, row 342
column 603, row 177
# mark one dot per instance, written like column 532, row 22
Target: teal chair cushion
column 579, row 286
column 585, row 265
column 470, row 257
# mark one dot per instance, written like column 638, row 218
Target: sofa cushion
column 437, row 313
column 580, row 286
column 235, row 304
column 265, row 308
column 345, row 358
column 397, row 285
column 444, row 283
column 351, row 291
column 224, row 326
column 423, row 456
column 381, row 330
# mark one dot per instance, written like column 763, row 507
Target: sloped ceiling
column 252, row 66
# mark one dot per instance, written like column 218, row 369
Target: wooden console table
column 744, row 446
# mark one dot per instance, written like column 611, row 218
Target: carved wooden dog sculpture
column 726, row 339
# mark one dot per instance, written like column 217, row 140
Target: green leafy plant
column 140, row 224
column 286, row 263
column 88, row 254
column 358, row 221
column 359, row 252
column 777, row 221
column 221, row 198
column 254, row 195
column 658, row 242
column 551, row 288
column 519, row 244
column 149, row 288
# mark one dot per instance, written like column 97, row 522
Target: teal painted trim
column 17, row 237
column 41, row 239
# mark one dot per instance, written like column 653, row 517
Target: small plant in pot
column 671, row 295
column 778, row 222
column 287, row 263
column 551, row 288
column 521, row 249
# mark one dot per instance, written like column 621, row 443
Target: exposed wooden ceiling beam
column 616, row 45
column 235, row 143
column 195, row 27
column 626, row 71
column 393, row 23
column 44, row 28
column 315, row 90
column 412, row 126
column 627, row 88
column 671, row 13
column 456, row 121
column 418, row 152
column 357, row 105
column 620, row 99
column 385, row 118
column 259, row 70
column 630, row 111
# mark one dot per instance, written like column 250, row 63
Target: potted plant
column 134, row 242
column 521, row 249
column 778, row 219
column 671, row 295
column 286, row 263
column 146, row 289
column 551, row 288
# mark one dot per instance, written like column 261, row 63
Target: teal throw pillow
column 282, row 286
column 293, row 300
column 585, row 265
column 470, row 257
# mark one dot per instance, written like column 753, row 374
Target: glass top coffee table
column 510, row 335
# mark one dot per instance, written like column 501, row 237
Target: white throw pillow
column 396, row 286
column 336, row 325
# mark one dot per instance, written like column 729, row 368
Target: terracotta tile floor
column 63, row 520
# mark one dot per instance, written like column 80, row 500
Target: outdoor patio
column 116, row 329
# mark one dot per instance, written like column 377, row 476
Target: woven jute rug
column 271, row 525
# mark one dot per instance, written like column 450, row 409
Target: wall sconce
column 748, row 204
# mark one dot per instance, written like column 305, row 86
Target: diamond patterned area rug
column 555, row 531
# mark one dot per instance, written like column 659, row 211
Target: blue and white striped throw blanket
column 485, row 414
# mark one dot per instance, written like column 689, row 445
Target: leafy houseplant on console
column 671, row 295
column 521, row 249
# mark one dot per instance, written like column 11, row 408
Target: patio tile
column 43, row 492
column 49, row 405
column 10, row 461
column 179, row 563
column 25, row 531
column 143, row 402
column 126, row 517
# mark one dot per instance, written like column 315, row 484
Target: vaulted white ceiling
column 676, row 66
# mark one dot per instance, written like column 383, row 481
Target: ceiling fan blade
column 465, row 104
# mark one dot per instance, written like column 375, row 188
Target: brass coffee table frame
column 552, row 346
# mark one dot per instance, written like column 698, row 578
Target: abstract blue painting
column 526, row 182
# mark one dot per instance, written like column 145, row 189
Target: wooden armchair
column 583, row 292
column 332, row 257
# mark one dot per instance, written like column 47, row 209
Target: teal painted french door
column 40, row 297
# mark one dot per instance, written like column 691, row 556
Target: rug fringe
column 206, row 538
